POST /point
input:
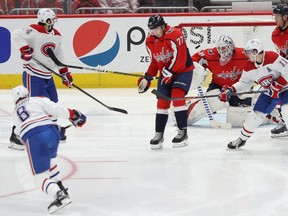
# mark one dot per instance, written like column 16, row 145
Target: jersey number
column 180, row 40
column 22, row 113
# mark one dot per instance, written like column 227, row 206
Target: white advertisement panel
column 118, row 43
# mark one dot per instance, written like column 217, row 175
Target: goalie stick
column 58, row 63
column 213, row 123
column 164, row 97
column 86, row 93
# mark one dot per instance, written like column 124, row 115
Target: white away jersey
column 36, row 111
column 36, row 37
column 271, row 69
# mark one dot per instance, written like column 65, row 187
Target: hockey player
column 170, row 56
column 226, row 63
column 33, row 43
column 280, row 40
column 270, row 71
column 32, row 117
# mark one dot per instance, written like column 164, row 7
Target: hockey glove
column 275, row 89
column 77, row 118
column 226, row 93
column 26, row 53
column 144, row 83
column 167, row 76
column 66, row 77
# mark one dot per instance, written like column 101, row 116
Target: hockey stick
column 86, row 93
column 164, row 97
column 213, row 123
column 58, row 63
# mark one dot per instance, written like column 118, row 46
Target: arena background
column 117, row 43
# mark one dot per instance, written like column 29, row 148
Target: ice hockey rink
column 110, row 169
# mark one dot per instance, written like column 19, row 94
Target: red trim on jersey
column 54, row 167
column 41, row 29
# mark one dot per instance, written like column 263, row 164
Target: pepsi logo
column 96, row 43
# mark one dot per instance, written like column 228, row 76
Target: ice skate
column 157, row 141
column 181, row 139
column 236, row 144
column 62, row 132
column 60, row 185
column 15, row 142
column 279, row 131
column 60, row 202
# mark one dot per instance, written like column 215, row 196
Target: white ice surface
column 110, row 169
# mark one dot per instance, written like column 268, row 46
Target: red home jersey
column 222, row 75
column 280, row 40
column 169, row 51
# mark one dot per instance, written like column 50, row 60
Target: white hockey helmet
column 225, row 47
column 46, row 14
column 254, row 47
column 19, row 92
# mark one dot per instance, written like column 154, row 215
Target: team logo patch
column 96, row 43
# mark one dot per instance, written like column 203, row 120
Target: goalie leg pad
column 196, row 109
column 237, row 115
column 199, row 75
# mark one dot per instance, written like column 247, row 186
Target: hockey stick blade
column 58, row 63
column 164, row 97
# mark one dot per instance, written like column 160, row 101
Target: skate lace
column 158, row 136
column 280, row 126
column 237, row 142
column 180, row 134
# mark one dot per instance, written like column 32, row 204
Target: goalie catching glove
column 144, row 83
column 226, row 93
column 77, row 118
column 67, row 79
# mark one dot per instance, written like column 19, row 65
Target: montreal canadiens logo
column 95, row 43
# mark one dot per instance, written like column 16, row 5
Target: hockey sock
column 54, row 172
column 50, row 187
column 181, row 119
column 161, row 120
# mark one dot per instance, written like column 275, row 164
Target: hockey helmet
column 46, row 16
column 155, row 21
column 281, row 9
column 19, row 92
column 225, row 47
column 254, row 47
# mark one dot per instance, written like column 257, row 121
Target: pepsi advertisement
column 118, row 43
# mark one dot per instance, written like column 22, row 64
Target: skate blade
column 181, row 144
column 16, row 147
column 284, row 134
column 54, row 209
column 157, row 147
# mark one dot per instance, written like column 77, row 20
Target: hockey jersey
column 273, row 68
column 227, row 74
column 32, row 112
column 169, row 51
column 36, row 37
column 280, row 40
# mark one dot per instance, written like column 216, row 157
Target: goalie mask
column 46, row 17
column 225, row 48
column 19, row 92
